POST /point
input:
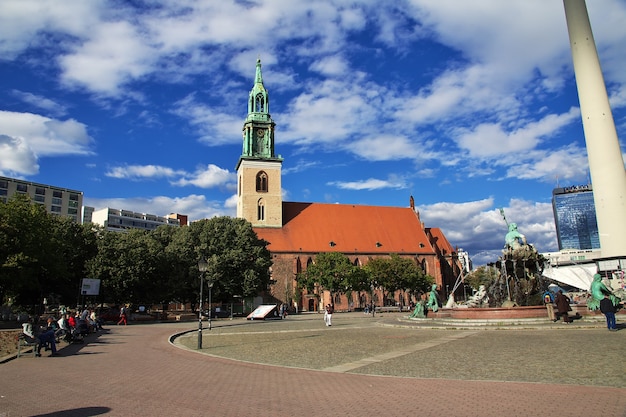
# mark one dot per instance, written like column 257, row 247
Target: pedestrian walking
column 608, row 309
column 328, row 314
column 562, row 306
column 123, row 316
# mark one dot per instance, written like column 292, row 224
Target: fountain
column 511, row 287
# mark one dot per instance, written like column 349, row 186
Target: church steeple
column 259, row 193
column 258, row 129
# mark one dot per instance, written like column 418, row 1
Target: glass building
column 575, row 217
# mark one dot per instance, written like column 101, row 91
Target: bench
column 25, row 341
column 388, row 309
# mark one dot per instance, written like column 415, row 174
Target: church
column 298, row 231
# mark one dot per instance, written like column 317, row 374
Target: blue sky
column 467, row 106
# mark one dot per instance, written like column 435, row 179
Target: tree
column 27, row 255
column 396, row 273
column 332, row 271
column 238, row 261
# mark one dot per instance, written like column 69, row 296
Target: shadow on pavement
column 77, row 412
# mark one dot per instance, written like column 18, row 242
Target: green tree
column 396, row 273
column 483, row 275
column 238, row 261
column 332, row 271
column 27, row 254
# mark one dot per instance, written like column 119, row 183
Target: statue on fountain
column 433, row 299
column 418, row 312
column 478, row 299
column 514, row 239
column 598, row 291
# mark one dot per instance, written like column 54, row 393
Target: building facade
column 297, row 232
column 56, row 200
column 575, row 218
column 123, row 220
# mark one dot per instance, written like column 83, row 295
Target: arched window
column 261, row 182
column 260, row 210
column 259, row 103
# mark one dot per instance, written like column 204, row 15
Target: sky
column 469, row 106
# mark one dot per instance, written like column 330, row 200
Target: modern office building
column 56, row 200
column 575, row 218
column 123, row 220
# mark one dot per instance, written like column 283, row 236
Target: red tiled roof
column 310, row 227
column 440, row 241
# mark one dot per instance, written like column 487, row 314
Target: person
column 562, row 306
column 95, row 320
column 122, row 316
column 44, row 338
column 548, row 300
column 608, row 309
column 328, row 315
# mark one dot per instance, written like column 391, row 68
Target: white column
column 606, row 165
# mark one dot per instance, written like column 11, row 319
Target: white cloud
column 136, row 172
column 478, row 226
column 50, row 106
column 31, row 136
column 331, row 66
column 491, row 140
column 214, row 127
column 17, row 157
column 24, row 23
column 370, row 184
column 209, row 177
column 114, row 55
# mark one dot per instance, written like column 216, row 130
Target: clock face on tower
column 260, row 132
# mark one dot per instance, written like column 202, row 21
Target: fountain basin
column 488, row 313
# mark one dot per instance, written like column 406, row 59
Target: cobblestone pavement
column 534, row 370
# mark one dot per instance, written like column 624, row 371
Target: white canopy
column 579, row 276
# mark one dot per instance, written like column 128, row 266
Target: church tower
column 259, row 198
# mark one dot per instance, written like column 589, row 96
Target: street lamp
column 202, row 267
column 210, row 310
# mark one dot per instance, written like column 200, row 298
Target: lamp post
column 210, row 310
column 202, row 267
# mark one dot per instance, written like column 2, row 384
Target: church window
column 261, row 210
column 260, row 103
column 261, row 182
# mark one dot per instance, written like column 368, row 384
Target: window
column 73, row 197
column 40, row 198
column 72, row 211
column 57, row 194
column 4, row 184
column 73, row 203
column 261, row 182
column 22, row 188
column 55, row 209
column 57, row 201
column 40, row 191
column 260, row 103
column 261, row 210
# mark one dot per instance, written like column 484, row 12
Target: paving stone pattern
column 134, row 370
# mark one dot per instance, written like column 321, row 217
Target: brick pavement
column 134, row 370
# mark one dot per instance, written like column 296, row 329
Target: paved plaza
column 361, row 366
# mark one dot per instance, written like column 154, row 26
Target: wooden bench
column 25, row 341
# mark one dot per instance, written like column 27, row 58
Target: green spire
column 258, row 129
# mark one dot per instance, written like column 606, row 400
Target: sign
column 264, row 312
column 90, row 286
